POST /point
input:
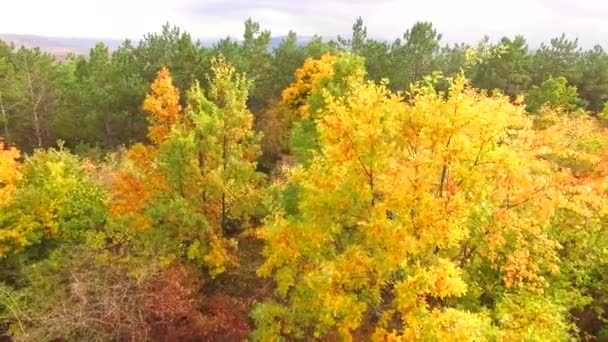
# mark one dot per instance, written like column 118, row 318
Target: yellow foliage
column 306, row 80
column 416, row 188
column 9, row 172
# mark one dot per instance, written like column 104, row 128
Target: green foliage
column 414, row 56
column 58, row 199
column 505, row 68
column 225, row 147
column 417, row 205
column 29, row 96
column 553, row 92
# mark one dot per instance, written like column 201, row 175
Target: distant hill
column 62, row 46
column 275, row 41
column 59, row 46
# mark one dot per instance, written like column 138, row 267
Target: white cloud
column 465, row 20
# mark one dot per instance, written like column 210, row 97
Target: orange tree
column 197, row 181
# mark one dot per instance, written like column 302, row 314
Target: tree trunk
column 4, row 117
column 35, row 102
column 224, row 157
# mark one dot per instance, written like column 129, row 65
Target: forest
column 337, row 190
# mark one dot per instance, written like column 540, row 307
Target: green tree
column 413, row 56
column 225, row 147
column 36, row 100
column 559, row 58
column 174, row 49
column 358, row 41
column 8, row 93
column 57, row 200
column 592, row 78
column 554, row 92
column 507, row 71
column 376, row 53
column 287, row 57
column 252, row 57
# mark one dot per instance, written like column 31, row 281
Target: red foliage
column 225, row 318
column 178, row 312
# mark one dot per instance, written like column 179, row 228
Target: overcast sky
column 464, row 20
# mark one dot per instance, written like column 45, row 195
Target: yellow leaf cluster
column 306, row 80
column 417, row 188
column 9, row 172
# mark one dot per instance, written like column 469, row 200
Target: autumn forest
column 333, row 189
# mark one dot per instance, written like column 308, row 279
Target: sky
column 463, row 20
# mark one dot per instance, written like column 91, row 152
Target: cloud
column 464, row 20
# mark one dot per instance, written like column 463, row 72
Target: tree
column 175, row 50
column 553, row 92
column 163, row 106
column 377, row 60
column 376, row 53
column 287, row 57
column 225, row 146
column 37, row 99
column 274, row 124
column 9, row 172
column 578, row 148
column 317, row 78
column 102, row 98
column 413, row 56
column 405, row 209
column 592, row 78
column 357, row 43
column 180, row 198
column 306, row 80
column 316, row 47
column 7, row 91
column 559, row 58
column 56, row 199
column 507, row 70
column 253, row 58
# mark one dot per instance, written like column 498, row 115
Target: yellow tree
column 577, row 148
column 9, row 171
column 9, row 174
column 401, row 210
column 163, row 106
column 307, row 81
column 56, row 197
column 332, row 74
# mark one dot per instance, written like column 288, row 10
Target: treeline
column 92, row 101
column 237, row 193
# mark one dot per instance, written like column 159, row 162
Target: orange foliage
column 129, row 197
column 163, row 106
column 9, row 171
column 131, row 191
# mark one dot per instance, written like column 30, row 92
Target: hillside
column 62, row 46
